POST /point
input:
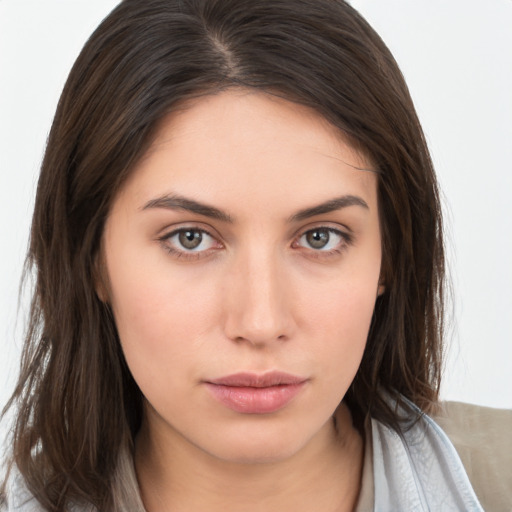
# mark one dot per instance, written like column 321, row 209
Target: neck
column 324, row 475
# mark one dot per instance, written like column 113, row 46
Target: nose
column 256, row 297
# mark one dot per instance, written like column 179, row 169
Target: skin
column 254, row 296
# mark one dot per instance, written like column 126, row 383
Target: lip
column 252, row 393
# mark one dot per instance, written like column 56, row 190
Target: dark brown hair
column 77, row 404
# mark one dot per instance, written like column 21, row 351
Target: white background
column 456, row 56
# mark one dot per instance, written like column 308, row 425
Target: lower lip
column 251, row 400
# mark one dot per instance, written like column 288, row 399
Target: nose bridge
column 258, row 311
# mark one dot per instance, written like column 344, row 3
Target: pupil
column 190, row 239
column 318, row 238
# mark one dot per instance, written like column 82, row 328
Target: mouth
column 251, row 393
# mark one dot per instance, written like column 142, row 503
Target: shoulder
column 483, row 440
column 417, row 467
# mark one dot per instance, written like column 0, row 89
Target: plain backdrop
column 456, row 56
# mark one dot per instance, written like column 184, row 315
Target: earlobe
column 381, row 288
column 99, row 279
column 99, row 288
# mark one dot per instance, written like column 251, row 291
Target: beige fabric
column 482, row 437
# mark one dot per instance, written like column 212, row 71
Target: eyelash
column 190, row 255
column 346, row 240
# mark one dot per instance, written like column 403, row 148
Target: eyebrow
column 177, row 202
column 329, row 206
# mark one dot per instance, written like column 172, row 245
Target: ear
column 381, row 288
column 100, row 278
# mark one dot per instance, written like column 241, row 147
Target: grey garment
column 416, row 471
column 420, row 471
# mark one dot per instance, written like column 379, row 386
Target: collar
column 417, row 470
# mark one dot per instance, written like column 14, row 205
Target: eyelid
column 342, row 229
column 344, row 232
column 169, row 232
column 181, row 226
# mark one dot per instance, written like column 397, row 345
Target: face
column 243, row 259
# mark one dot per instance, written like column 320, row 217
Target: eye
column 189, row 240
column 323, row 239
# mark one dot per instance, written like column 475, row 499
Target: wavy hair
column 77, row 405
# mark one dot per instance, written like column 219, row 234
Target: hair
column 77, row 404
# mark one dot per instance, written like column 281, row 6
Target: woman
column 237, row 242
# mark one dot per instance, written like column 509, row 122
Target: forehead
column 246, row 145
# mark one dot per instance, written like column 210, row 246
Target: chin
column 264, row 445
column 258, row 453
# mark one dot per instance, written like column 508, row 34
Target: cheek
column 343, row 299
column 343, row 318
column 339, row 315
column 161, row 317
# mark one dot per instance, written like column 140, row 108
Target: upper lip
column 254, row 380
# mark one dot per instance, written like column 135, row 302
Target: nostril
column 259, row 339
